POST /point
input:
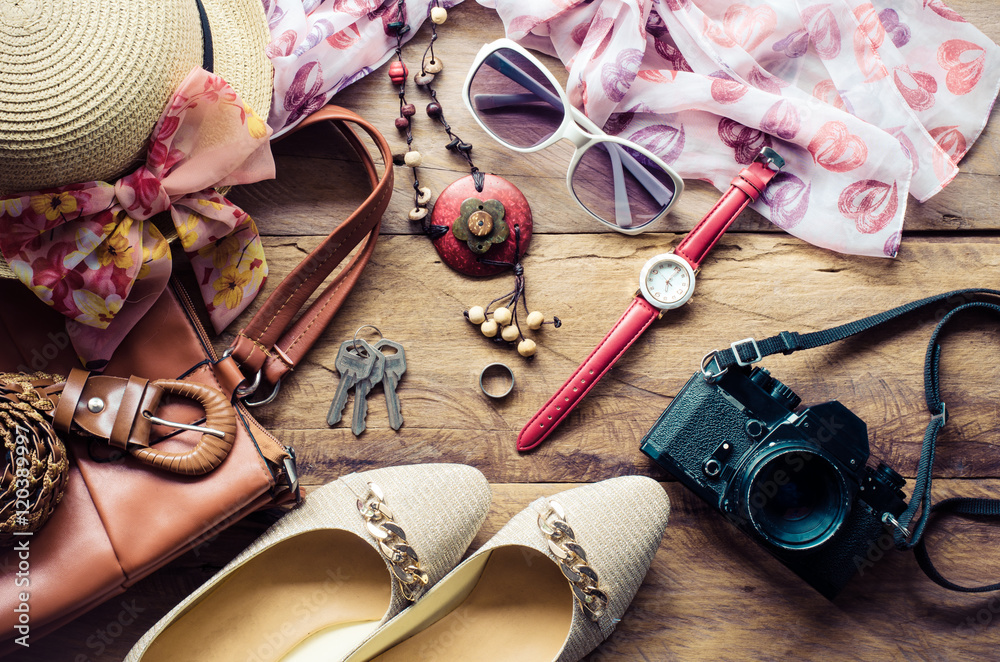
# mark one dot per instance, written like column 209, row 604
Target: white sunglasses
column 517, row 101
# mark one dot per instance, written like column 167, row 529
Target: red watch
column 666, row 281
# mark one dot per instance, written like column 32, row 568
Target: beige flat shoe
column 551, row 585
column 322, row 579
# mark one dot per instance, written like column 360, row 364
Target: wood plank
column 296, row 202
column 709, row 595
column 753, row 285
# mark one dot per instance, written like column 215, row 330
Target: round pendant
column 481, row 225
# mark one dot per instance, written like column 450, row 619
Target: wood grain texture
column 710, row 594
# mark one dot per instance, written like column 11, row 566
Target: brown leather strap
column 128, row 411
column 271, row 342
column 69, row 398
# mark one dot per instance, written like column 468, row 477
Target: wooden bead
column 418, row 213
column 408, row 110
column 434, row 109
column 423, row 79
column 477, row 315
column 535, row 319
column 412, row 159
column 502, row 315
column 439, row 15
column 398, row 72
column 526, row 347
column 432, row 64
column 423, row 195
column 510, row 333
column 489, row 328
column 402, row 123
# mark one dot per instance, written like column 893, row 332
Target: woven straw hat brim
column 82, row 83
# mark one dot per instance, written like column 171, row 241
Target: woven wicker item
column 36, row 465
column 83, row 82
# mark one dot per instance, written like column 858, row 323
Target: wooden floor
column 710, row 594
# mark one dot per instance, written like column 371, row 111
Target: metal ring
column 361, row 350
column 711, row 377
column 260, row 403
column 502, row 367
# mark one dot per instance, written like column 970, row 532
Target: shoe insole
column 327, row 585
column 520, row 609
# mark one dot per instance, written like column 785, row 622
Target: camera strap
column 910, row 528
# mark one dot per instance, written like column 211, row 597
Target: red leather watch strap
column 637, row 318
column 744, row 189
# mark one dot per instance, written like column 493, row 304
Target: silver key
column 353, row 367
column 395, row 366
column 364, row 386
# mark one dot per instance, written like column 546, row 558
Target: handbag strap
column 909, row 533
column 274, row 342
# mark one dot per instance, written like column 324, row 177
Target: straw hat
column 83, row 82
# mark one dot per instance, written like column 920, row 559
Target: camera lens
column 796, row 498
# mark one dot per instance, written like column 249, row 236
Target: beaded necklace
column 472, row 217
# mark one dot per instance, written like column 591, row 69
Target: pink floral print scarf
column 866, row 101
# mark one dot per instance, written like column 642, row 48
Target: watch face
column 667, row 281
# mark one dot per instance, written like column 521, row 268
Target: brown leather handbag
column 171, row 455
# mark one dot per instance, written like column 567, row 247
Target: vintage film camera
column 796, row 482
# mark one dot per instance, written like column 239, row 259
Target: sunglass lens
column 621, row 186
column 515, row 100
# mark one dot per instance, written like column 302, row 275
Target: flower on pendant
column 480, row 224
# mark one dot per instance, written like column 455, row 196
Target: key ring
column 499, row 367
column 361, row 350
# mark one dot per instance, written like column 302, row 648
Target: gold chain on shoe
column 573, row 561
column 392, row 543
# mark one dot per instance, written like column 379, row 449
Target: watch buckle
column 771, row 159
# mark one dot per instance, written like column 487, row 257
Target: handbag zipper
column 191, row 312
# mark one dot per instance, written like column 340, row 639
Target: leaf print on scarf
column 824, row 31
column 726, row 90
column 951, row 141
column 917, row 87
column 746, row 142
column 939, row 8
column 282, row 46
column 298, row 99
column 826, row 91
column 665, row 141
column 617, row 76
column 871, row 204
column 788, row 198
column 345, row 38
column 355, row 8
column 782, row 120
column 964, row 62
column 837, row 149
column 868, row 37
column 671, row 54
column 763, row 80
column 898, row 31
column 320, row 31
column 794, row 45
column 749, row 27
